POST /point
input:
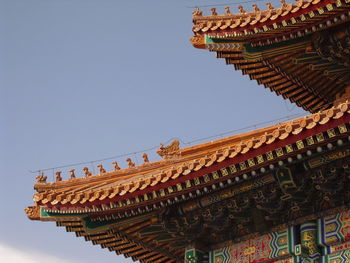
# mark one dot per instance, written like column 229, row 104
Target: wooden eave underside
column 134, row 231
column 310, row 83
column 300, row 83
column 146, row 249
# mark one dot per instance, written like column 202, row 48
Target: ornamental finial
column 58, row 176
column 213, row 12
column 130, row 163
column 86, row 171
column 72, row 174
column 241, row 9
column 171, row 151
column 227, row 8
column 101, row 169
column 145, row 158
column 116, row 166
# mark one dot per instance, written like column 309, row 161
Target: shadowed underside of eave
column 300, row 52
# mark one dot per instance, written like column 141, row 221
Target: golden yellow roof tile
column 85, row 198
column 226, row 24
column 212, row 159
column 95, row 187
column 236, row 23
column 125, row 189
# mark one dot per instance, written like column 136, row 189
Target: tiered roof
column 299, row 51
column 152, row 212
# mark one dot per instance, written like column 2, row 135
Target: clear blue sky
column 86, row 79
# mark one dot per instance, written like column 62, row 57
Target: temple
column 275, row 194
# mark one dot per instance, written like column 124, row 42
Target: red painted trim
column 217, row 166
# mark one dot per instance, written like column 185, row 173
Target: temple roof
column 184, row 164
column 123, row 209
column 296, row 50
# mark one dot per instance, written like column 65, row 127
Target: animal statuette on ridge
column 241, row 9
column 41, row 178
column 145, row 158
column 58, row 176
column 116, row 166
column 101, row 169
column 256, row 8
column 130, row 163
column 86, row 171
column 197, row 12
column 269, row 6
column 72, row 174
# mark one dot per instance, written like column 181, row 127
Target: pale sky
column 82, row 80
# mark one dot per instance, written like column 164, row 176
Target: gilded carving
column 33, row 212
column 198, row 41
column 171, row 151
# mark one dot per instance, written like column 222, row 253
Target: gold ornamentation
column 240, row 8
column 116, row 166
column 171, row 151
column 170, row 189
column 58, row 176
column 33, row 212
column 310, row 140
column 319, row 137
column 101, row 169
column 251, row 162
column 72, row 174
column 300, row 144
column 279, row 152
column 145, row 158
column 86, row 171
column 256, row 8
column 233, row 169
column 269, row 6
column 130, row 163
column 269, row 156
column 215, row 175
column 242, row 165
column 196, row 181
column 179, row 186
column 331, row 133
column 289, row 148
column 342, row 128
column 224, row 172
column 197, row 12
column 227, row 9
column 260, row 159
column 213, row 12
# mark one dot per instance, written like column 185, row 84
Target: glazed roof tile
column 285, row 49
column 137, row 180
column 309, row 11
